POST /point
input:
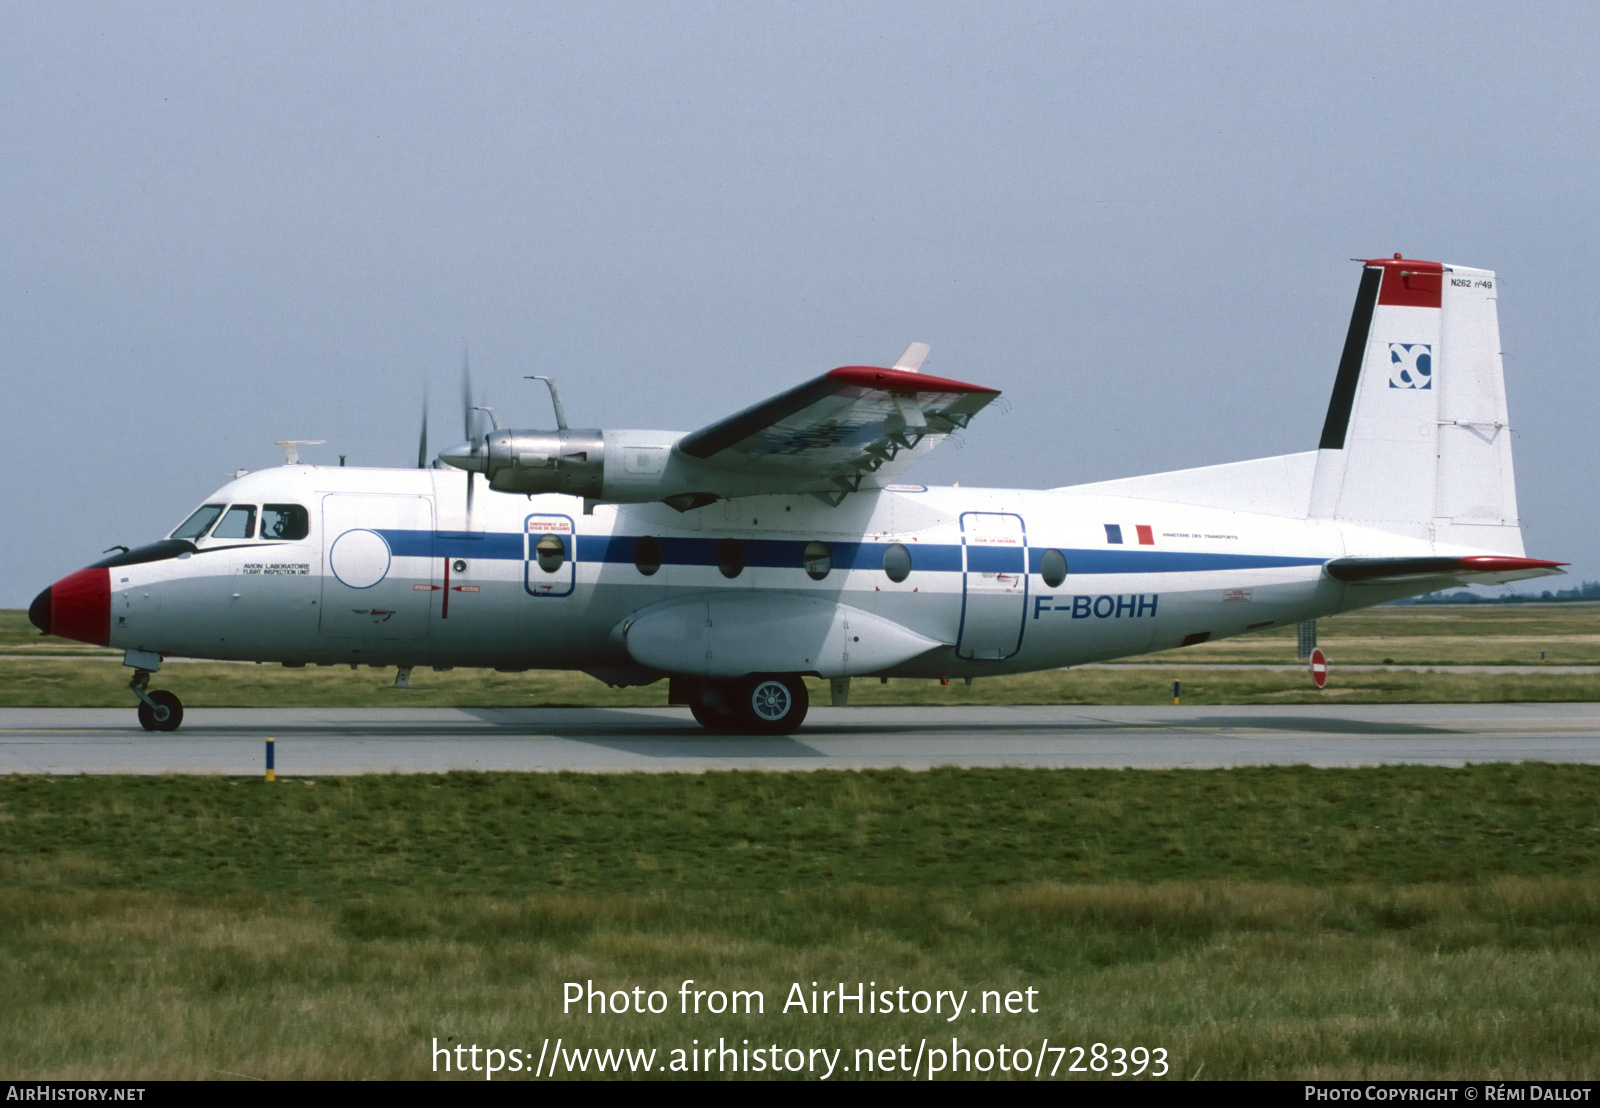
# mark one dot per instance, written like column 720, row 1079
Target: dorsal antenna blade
column 291, row 449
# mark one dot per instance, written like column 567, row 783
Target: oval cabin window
column 897, row 562
column 647, row 554
column 730, row 558
column 818, row 560
column 550, row 552
column 1053, row 567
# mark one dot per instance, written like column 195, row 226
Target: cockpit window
column 285, row 521
column 239, row 523
column 196, row 525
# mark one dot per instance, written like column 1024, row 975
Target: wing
column 852, row 427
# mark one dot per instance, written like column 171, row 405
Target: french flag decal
column 1147, row 536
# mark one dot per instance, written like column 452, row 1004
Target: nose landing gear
column 158, row 710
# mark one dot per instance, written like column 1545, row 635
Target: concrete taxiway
column 428, row 740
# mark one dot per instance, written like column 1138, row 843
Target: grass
column 1391, row 922
column 502, row 834
column 1494, row 981
column 1372, row 923
column 1430, row 635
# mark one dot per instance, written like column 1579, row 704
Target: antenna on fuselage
column 291, row 449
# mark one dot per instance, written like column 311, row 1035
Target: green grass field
column 1394, row 922
column 1389, row 922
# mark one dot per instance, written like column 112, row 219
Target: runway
column 312, row 741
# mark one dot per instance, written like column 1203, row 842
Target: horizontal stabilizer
column 1482, row 569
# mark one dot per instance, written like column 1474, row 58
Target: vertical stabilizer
column 1416, row 439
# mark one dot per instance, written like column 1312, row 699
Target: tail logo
column 1410, row 365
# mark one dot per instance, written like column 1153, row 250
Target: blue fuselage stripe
column 995, row 559
column 790, row 553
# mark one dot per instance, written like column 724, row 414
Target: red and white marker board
column 1319, row 667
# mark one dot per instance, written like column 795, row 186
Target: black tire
column 774, row 703
column 166, row 716
column 714, row 718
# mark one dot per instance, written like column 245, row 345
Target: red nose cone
column 80, row 606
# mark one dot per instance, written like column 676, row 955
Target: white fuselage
column 394, row 572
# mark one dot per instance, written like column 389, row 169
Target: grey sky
column 222, row 225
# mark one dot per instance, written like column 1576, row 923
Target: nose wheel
column 158, row 710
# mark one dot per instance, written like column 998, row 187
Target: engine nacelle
column 621, row 467
column 569, row 462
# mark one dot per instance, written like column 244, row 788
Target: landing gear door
column 994, row 585
column 549, row 555
column 378, row 576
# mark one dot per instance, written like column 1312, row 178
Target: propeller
column 469, row 425
column 422, row 442
column 468, row 420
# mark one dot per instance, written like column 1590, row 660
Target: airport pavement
column 313, row 741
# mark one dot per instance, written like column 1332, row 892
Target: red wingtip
column 899, row 380
column 1493, row 563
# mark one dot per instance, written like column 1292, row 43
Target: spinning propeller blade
column 422, row 442
column 469, row 422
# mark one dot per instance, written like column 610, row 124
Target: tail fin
column 1416, row 441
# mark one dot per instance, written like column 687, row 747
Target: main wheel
column 167, row 715
column 774, row 704
column 718, row 717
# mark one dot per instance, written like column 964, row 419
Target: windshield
column 239, row 523
column 196, row 525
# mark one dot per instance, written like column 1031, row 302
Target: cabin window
column 550, row 552
column 196, row 525
column 730, row 558
column 1053, row 567
column 647, row 554
column 897, row 562
column 285, row 521
column 239, row 523
column 818, row 560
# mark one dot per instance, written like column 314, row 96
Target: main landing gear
column 769, row 704
column 159, row 710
